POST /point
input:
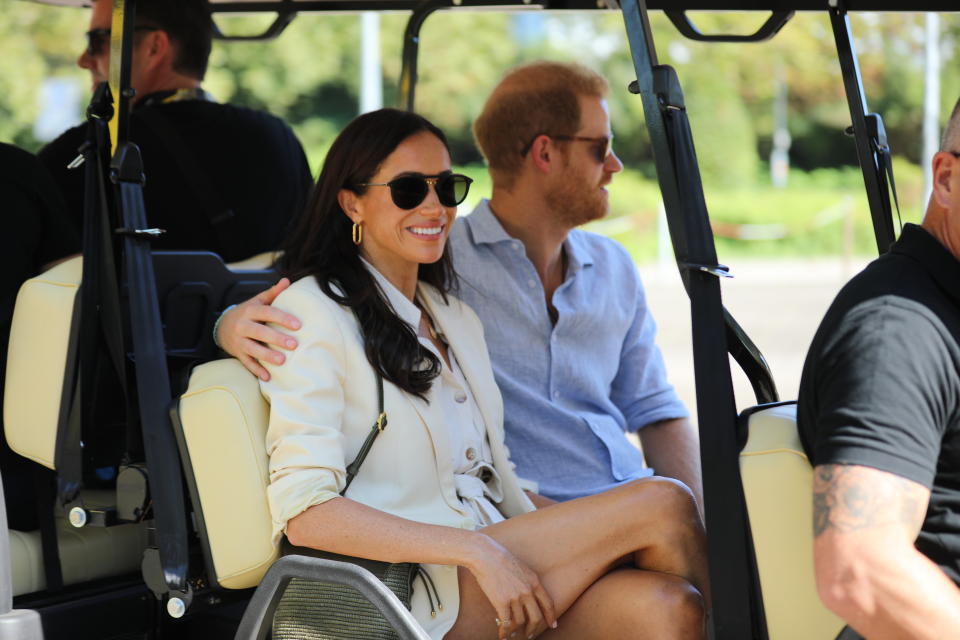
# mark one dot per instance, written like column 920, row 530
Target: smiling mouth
column 427, row 232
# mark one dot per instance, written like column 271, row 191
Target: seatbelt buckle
column 718, row 270
column 149, row 234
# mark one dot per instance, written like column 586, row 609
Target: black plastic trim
column 302, row 6
column 874, row 179
column 411, row 50
column 285, row 16
column 743, row 420
column 767, row 30
column 191, row 482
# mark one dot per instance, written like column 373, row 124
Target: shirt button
column 516, row 245
column 460, row 397
column 471, row 454
column 556, row 394
column 531, row 283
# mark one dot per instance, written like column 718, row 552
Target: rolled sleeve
column 884, row 390
column 306, row 394
column 640, row 389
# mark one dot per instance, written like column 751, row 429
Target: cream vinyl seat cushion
column 222, row 426
column 37, row 359
column 85, row 554
column 778, row 484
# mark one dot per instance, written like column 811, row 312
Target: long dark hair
column 321, row 246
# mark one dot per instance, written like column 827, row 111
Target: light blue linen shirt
column 570, row 390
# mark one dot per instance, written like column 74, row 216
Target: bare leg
column 650, row 524
column 635, row 605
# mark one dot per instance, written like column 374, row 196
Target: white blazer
column 323, row 403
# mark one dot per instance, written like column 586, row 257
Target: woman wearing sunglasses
column 372, row 279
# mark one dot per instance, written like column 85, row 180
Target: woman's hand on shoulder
column 243, row 332
column 514, row 589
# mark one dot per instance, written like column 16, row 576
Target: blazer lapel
column 431, row 413
column 471, row 356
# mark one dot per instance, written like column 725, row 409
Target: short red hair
column 537, row 98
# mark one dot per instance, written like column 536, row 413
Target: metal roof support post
column 736, row 603
column 867, row 131
column 411, row 50
column 152, row 379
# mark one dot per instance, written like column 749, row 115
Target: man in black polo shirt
column 879, row 416
column 219, row 177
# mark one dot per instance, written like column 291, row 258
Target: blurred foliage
column 309, row 77
column 820, row 212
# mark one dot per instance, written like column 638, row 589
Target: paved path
column 778, row 302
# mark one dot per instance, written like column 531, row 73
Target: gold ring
column 498, row 621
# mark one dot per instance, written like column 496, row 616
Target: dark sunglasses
column 408, row 192
column 602, row 146
column 99, row 39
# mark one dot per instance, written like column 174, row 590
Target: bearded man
column 564, row 312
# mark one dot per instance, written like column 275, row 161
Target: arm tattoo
column 851, row 498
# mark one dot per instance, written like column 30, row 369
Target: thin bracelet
column 216, row 325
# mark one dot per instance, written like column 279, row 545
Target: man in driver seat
column 218, row 177
column 879, row 417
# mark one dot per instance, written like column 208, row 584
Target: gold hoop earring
column 357, row 233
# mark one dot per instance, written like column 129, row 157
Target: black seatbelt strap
column 723, row 490
column 847, row 633
column 100, row 336
column 888, row 186
column 220, row 216
column 152, row 381
column 736, row 613
column 49, row 547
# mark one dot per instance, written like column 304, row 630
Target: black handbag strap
column 375, row 431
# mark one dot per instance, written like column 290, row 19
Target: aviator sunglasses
column 98, row 39
column 602, row 145
column 408, row 192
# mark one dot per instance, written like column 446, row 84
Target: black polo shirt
column 881, row 383
column 249, row 165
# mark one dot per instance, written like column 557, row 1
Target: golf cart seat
column 221, row 424
column 193, row 287
column 42, row 344
column 86, row 554
column 777, row 484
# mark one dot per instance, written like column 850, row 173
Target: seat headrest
column 222, row 424
column 37, row 358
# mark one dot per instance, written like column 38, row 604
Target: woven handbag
column 310, row 610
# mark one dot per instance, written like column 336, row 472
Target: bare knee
column 683, row 610
column 669, row 502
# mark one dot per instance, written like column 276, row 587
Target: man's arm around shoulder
column 869, row 573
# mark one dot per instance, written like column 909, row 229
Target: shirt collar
column 403, row 307
column 486, row 229
column 578, row 255
column 173, row 95
column 919, row 244
column 484, row 226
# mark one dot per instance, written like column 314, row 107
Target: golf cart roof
column 234, row 6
